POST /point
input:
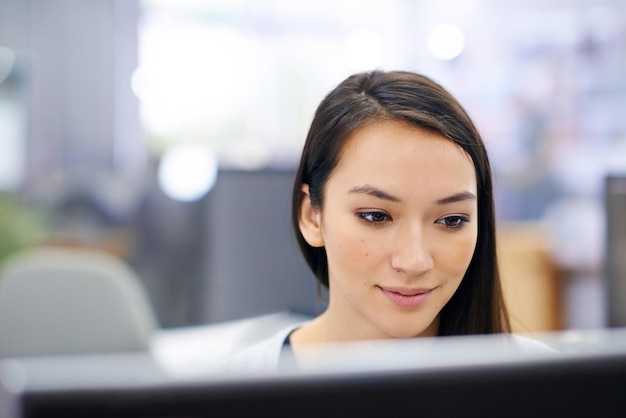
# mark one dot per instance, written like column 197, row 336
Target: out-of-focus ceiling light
column 187, row 171
column 446, row 41
column 364, row 50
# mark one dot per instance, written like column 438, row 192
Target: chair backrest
column 71, row 301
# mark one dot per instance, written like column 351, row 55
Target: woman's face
column 399, row 225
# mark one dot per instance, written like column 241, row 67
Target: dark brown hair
column 477, row 307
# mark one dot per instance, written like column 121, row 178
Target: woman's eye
column 453, row 222
column 374, row 217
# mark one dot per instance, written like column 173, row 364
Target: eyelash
column 365, row 215
column 458, row 220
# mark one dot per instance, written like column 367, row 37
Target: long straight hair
column 477, row 307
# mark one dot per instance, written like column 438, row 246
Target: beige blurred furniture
column 530, row 280
column 71, row 301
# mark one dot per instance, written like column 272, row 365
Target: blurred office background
column 166, row 132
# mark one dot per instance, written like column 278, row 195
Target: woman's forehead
column 403, row 156
column 392, row 136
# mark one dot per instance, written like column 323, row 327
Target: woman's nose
column 412, row 253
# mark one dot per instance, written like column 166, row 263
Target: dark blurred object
column 615, row 196
column 90, row 209
column 167, row 253
column 252, row 262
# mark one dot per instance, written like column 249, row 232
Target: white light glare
column 187, row 172
column 364, row 50
column 446, row 41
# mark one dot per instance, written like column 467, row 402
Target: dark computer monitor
column 615, row 272
column 587, row 384
column 252, row 264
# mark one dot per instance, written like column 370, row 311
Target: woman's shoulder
column 261, row 357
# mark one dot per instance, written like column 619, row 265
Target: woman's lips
column 406, row 297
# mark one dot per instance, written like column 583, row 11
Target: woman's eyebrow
column 375, row 192
column 458, row 197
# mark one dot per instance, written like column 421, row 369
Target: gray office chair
column 71, row 301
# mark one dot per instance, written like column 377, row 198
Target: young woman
column 394, row 213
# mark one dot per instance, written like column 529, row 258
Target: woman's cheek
column 351, row 250
column 462, row 254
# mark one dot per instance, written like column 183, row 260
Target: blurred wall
column 75, row 59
